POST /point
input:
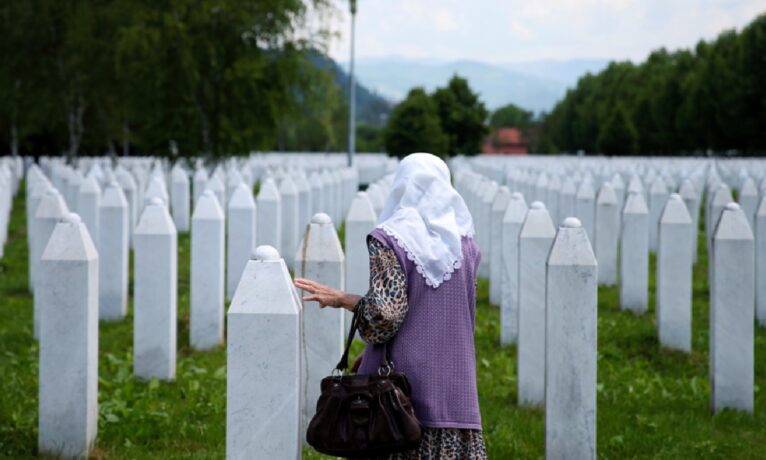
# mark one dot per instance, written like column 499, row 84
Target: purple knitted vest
column 434, row 347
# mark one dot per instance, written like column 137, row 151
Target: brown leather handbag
column 364, row 415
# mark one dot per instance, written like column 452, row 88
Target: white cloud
column 512, row 30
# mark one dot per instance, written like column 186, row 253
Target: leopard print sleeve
column 383, row 309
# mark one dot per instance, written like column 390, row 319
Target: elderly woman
column 421, row 302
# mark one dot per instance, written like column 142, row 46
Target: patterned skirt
column 446, row 444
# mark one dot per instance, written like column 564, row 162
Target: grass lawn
column 652, row 403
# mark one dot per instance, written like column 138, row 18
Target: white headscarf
column 427, row 217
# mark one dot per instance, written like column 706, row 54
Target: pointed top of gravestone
column 155, row 201
column 71, row 218
column 90, row 186
column 675, row 212
column 502, row 197
column 200, row 174
column 51, row 206
column 722, row 195
column 688, row 190
column 268, row 191
column 320, row 242
column 571, row 246
column 113, row 197
column 516, row 211
column 155, row 220
column 266, row 253
column 242, row 198
column 606, row 195
column 517, row 196
column 321, row 218
column 70, row 241
column 126, row 180
column 748, row 188
column 265, row 288
column 361, row 210
column 635, row 204
column 617, row 182
column 635, row 184
column 215, row 183
column 658, row 187
column 571, row 222
column 538, row 223
column 287, row 186
column 178, row 175
column 488, row 196
column 585, row 191
column 207, row 207
column 733, row 224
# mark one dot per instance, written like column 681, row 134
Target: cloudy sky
column 518, row 30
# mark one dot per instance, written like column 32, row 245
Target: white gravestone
column 674, row 276
column 585, row 207
column 50, row 211
column 155, row 277
column 732, row 290
column 495, row 254
column 535, row 241
column 88, row 201
column 760, row 262
column 288, row 197
column 268, row 215
column 570, row 345
column 514, row 217
column 199, row 183
column 207, row 266
column 68, row 366
column 689, row 194
column 34, row 197
column 240, row 235
column 658, row 195
column 720, row 198
column 129, row 189
column 217, row 186
column 360, row 221
column 607, row 234
column 485, row 223
column 263, row 356
column 304, row 202
column 567, row 199
column 113, row 252
column 317, row 194
column 748, row 200
column 634, row 255
column 320, row 258
column 179, row 193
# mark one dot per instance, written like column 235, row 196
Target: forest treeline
column 160, row 76
column 710, row 98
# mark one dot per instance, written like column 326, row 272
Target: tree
column 462, row 116
column 510, row 116
column 414, row 127
column 618, row 135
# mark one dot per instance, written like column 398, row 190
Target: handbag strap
column 343, row 363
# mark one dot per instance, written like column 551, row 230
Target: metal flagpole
column 352, row 93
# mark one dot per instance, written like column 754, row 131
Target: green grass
column 652, row 403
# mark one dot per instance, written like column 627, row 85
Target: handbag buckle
column 386, row 369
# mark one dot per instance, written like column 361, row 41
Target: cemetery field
column 651, row 403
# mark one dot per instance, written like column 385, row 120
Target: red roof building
column 506, row 141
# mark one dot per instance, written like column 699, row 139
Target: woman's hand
column 326, row 296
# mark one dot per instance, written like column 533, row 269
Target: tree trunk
column 75, row 125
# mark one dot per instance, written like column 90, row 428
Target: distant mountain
column 533, row 85
column 371, row 107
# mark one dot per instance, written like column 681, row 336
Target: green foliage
column 369, row 138
column 510, row 116
column 709, row 98
column 213, row 76
column 462, row 116
column 414, row 127
column 652, row 402
column 618, row 135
